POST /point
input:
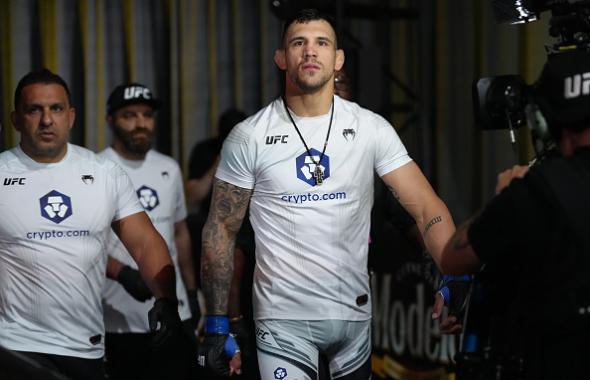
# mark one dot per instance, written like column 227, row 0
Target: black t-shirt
column 530, row 250
column 202, row 157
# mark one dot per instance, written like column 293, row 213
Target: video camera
column 559, row 97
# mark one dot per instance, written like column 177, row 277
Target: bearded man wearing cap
column 158, row 182
column 534, row 239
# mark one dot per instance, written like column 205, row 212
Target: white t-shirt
column 311, row 241
column 158, row 183
column 55, row 220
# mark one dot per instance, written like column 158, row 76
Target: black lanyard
column 318, row 175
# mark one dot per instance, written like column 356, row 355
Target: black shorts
column 51, row 366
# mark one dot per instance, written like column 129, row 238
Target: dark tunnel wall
column 412, row 61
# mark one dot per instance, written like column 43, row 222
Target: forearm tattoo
column 432, row 222
column 395, row 194
column 228, row 207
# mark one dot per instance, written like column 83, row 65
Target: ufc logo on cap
column 574, row 85
column 136, row 92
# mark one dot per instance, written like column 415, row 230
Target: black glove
column 193, row 304
column 165, row 323
column 133, row 283
column 239, row 329
column 218, row 347
column 454, row 290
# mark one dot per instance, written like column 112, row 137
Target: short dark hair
column 44, row 76
column 306, row 15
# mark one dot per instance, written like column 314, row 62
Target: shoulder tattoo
column 229, row 202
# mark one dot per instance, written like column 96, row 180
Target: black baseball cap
column 131, row 93
column 563, row 88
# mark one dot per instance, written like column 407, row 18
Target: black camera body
column 492, row 346
column 559, row 99
column 507, row 101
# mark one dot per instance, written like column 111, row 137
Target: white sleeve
column 180, row 209
column 237, row 157
column 126, row 200
column 390, row 152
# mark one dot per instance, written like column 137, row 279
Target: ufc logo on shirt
column 14, row 181
column 275, row 139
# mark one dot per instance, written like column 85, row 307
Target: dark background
column 411, row 61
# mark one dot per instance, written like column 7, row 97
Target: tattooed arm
column 432, row 217
column 228, row 207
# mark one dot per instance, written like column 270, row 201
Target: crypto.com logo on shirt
column 305, row 166
column 55, row 206
column 148, row 198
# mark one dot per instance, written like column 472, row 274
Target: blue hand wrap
column 470, row 343
column 444, row 290
column 231, row 346
column 217, row 324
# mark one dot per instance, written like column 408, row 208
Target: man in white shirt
column 305, row 166
column 59, row 203
column 158, row 182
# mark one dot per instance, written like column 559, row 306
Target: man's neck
column 570, row 141
column 50, row 158
column 119, row 148
column 310, row 104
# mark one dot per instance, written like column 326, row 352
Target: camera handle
column 512, row 135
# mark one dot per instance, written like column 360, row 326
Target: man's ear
column 280, row 59
column 72, row 116
column 14, row 119
column 339, row 59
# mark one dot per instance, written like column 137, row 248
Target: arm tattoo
column 395, row 194
column 228, row 207
column 432, row 222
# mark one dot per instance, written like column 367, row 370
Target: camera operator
column 533, row 239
